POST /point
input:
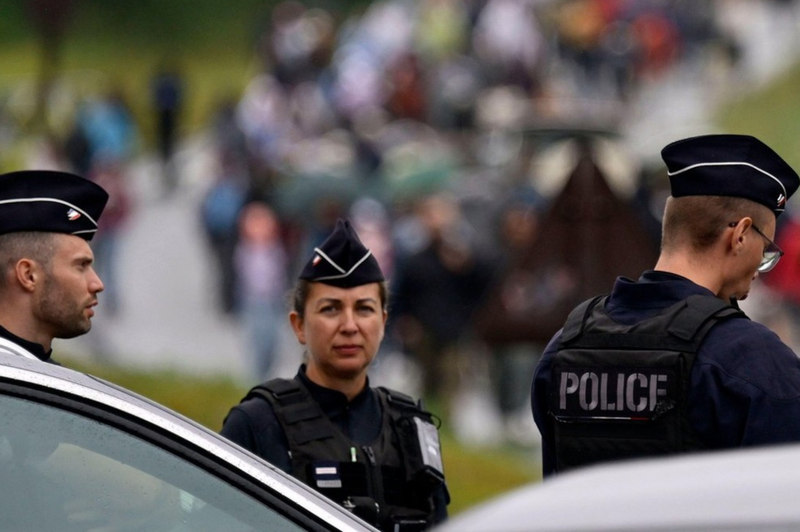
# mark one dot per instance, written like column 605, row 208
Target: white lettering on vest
column 612, row 391
column 568, row 387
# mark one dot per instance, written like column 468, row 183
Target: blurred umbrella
column 415, row 169
column 418, row 182
column 297, row 196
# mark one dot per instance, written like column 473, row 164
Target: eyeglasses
column 772, row 254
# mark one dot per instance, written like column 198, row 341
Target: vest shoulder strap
column 682, row 326
column 696, row 313
column 400, row 404
column 301, row 416
column 577, row 318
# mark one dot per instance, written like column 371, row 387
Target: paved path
column 167, row 315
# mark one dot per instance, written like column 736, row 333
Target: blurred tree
column 50, row 18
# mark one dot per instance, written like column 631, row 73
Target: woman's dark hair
column 299, row 295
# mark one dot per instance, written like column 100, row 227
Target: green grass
column 473, row 474
column 89, row 70
column 771, row 114
column 121, row 44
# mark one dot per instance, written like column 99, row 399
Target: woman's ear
column 297, row 326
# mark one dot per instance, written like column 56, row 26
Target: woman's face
column 342, row 330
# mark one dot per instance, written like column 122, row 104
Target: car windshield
column 62, row 472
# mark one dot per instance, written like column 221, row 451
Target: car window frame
column 174, row 444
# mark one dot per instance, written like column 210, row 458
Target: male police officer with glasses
column 669, row 363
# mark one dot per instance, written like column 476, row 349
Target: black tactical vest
column 621, row 391
column 386, row 483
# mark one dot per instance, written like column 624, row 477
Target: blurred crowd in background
column 445, row 130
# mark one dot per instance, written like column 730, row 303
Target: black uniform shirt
column 33, row 348
column 745, row 382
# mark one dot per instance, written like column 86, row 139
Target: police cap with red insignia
column 50, row 201
column 342, row 260
column 730, row 165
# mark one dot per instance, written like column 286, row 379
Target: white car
column 755, row 489
column 80, row 454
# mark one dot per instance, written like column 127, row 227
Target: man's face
column 63, row 305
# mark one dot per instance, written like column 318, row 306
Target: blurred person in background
column 48, row 287
column 361, row 446
column 108, row 127
column 436, row 293
column 669, row 363
column 260, row 265
column 219, row 216
column 110, row 174
column 513, row 362
column 167, row 97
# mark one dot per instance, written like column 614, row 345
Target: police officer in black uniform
column 669, row 363
column 373, row 450
column 48, row 287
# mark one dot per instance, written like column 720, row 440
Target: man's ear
column 27, row 273
column 738, row 235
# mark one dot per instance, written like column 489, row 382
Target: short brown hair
column 698, row 221
column 299, row 295
column 36, row 245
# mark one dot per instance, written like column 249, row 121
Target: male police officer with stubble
column 669, row 363
column 48, row 287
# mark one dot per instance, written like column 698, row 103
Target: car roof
column 753, row 489
column 92, row 389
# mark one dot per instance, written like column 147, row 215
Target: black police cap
column 730, row 165
column 50, row 201
column 342, row 260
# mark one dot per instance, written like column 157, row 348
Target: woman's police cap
column 342, row 260
column 50, row 201
column 730, row 165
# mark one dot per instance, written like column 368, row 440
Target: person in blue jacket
column 668, row 363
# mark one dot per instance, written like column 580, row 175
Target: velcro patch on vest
column 326, row 474
column 613, row 393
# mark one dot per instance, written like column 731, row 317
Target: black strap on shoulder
column 293, row 405
column 401, row 402
column 398, row 399
column 697, row 312
column 574, row 324
column 686, row 325
column 401, row 405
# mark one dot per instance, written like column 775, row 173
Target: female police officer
column 373, row 450
column 669, row 363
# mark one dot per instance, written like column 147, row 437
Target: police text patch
column 603, row 393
